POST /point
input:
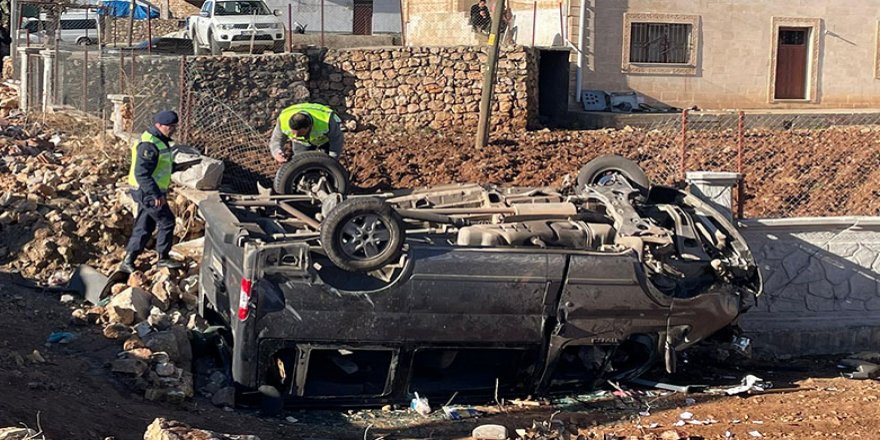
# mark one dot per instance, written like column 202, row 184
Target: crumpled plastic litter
column 60, row 337
column 749, row 383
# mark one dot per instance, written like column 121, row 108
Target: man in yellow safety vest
column 309, row 127
column 152, row 160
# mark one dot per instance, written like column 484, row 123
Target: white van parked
column 79, row 27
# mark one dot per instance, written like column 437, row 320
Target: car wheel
column 279, row 47
column 604, row 168
column 306, row 169
column 362, row 234
column 83, row 41
column 215, row 47
column 197, row 50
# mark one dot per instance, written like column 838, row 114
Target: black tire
column 310, row 164
column 596, row 169
column 83, row 41
column 362, row 234
column 215, row 47
column 197, row 50
column 279, row 47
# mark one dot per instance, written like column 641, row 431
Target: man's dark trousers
column 147, row 219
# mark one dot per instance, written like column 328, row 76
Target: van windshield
column 241, row 8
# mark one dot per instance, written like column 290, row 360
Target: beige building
column 446, row 22
column 715, row 54
column 735, row 54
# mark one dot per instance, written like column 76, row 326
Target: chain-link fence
column 793, row 164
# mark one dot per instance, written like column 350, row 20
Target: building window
column 664, row 43
column 660, row 43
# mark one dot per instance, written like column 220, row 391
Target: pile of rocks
column 152, row 315
column 63, row 198
column 163, row 429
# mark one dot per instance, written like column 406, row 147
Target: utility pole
column 482, row 138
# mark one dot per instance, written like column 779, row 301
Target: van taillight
column 244, row 298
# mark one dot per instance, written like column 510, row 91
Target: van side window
column 79, row 24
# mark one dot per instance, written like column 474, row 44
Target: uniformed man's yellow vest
column 162, row 173
column 320, row 114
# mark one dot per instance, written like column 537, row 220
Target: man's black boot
column 168, row 263
column 127, row 264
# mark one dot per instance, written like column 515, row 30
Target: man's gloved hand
column 280, row 157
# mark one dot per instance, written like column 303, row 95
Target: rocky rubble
column 164, row 429
column 63, row 198
column 152, row 317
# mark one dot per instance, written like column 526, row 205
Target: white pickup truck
column 235, row 25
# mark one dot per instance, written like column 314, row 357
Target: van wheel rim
column 364, row 236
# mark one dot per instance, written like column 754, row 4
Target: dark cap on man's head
column 167, row 117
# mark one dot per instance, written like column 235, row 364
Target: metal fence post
column 740, row 168
column 683, row 158
column 131, row 77
column 534, row 21
column 182, row 105
column 561, row 24
column 290, row 27
column 149, row 31
column 121, row 71
column 402, row 26
column 85, row 101
column 322, row 23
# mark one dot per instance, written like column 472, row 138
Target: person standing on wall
column 309, row 126
column 152, row 160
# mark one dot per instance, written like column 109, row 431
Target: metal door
column 362, row 23
column 791, row 63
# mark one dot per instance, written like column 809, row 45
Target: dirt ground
column 77, row 397
column 834, row 171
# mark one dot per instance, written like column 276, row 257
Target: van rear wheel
column 362, row 234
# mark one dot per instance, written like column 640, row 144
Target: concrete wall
column 386, row 16
column 821, row 283
column 338, row 14
column 733, row 66
column 445, row 23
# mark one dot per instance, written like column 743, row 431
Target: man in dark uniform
column 150, row 176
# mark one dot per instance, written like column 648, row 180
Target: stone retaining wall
column 417, row 87
column 821, row 285
column 119, row 27
column 403, row 87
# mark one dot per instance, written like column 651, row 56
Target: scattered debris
column 420, row 405
column 13, row 433
column 460, row 412
column 749, row 384
column 60, row 337
column 863, row 369
column 164, row 429
column 489, row 432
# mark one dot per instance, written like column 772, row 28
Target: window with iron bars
column 660, row 43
